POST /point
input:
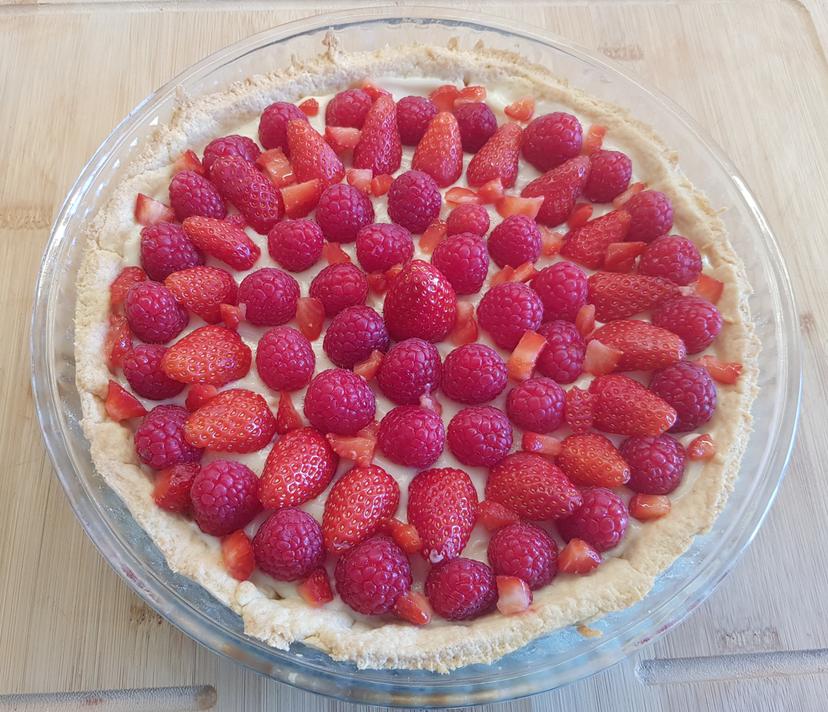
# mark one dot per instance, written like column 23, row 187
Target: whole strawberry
column 623, row 406
column 211, row 354
column 236, row 420
column 440, row 151
column 379, row 146
column 498, row 158
column 420, row 303
column 560, row 188
column 255, row 197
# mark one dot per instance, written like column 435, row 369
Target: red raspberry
column 413, row 116
column 507, row 311
column 537, row 405
column 153, row 314
column 562, row 359
column 479, row 436
column 269, row 296
column 353, row 334
column 515, row 241
column 601, row 520
column 342, row 211
column 284, row 359
column 409, row 370
column 348, row 108
column 695, row 320
column 412, row 436
column 295, row 244
column 193, row 194
column 255, row 197
column 468, row 218
column 690, row 390
column 461, row 589
column 288, row 545
column 464, row 260
column 609, row 175
column 526, row 551
column 339, row 401
column 159, row 440
column 563, row 289
column 382, row 245
column 656, row 463
column 234, row 146
column 142, row 368
column 414, row 201
column 672, row 257
column 373, row 575
column 224, row 497
column 473, row 374
column 477, row 124
column 551, row 139
column 339, row 286
column 273, row 124
column 166, row 249
column 652, row 216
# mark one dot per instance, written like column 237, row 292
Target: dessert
column 414, row 370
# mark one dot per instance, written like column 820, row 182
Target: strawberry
column 623, row 406
column 299, row 467
column 461, row 196
column 287, row 418
column 310, row 313
column 276, row 166
column 369, row 367
column 310, row 156
column 199, row 394
column 620, row 256
column 301, row 198
column 171, row 489
column 413, row 607
column 223, row 240
column 202, row 290
column 236, row 420
column 242, row 184
column 359, row 178
column 521, row 362
column 618, row 296
column 440, row 151
column 578, row 413
column 725, row 372
column 579, row 216
column 432, row 236
column 149, row 211
column 578, row 557
column 404, row 535
column 309, row 107
column 594, row 139
column 315, row 590
column 379, row 146
column 465, row 326
column 491, row 191
column 521, row 110
column 357, row 507
column 237, row 555
column 188, row 161
column 559, row 188
column 498, row 158
column 591, row 460
column 210, row 354
column 420, row 303
column 373, row 91
column 646, row 507
column 708, row 288
column 643, row 346
column 510, row 205
column 551, row 241
column 546, row 445
column 342, row 139
column 444, row 97
column 493, row 515
column 601, row 359
column 118, row 342
column 585, row 320
column 381, row 184
column 333, row 254
column 120, row 404
column 121, row 284
column 231, row 316
column 513, row 594
column 634, row 189
column 470, row 95
column 588, row 244
column 701, row 448
column 356, row 448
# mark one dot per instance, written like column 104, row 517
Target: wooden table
column 753, row 73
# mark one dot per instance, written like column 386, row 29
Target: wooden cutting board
column 754, row 74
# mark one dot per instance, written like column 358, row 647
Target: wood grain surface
column 754, row 74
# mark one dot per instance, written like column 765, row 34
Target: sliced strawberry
column 404, row 534
column 414, row 608
column 118, row 342
column 342, row 139
column 237, row 555
column 391, row 274
column 521, row 110
column 591, row 460
column 121, row 284
column 493, row 515
column 524, row 272
column 430, row 402
column 381, row 184
column 522, row 360
column 379, row 146
column 370, row 430
column 579, row 216
column 373, row 90
column 578, row 557
column 171, row 489
column 440, row 152
column 310, row 156
column 120, row 404
column 559, row 188
column 724, row 372
column 301, row 198
column 470, row 95
column 277, row 167
column 578, row 410
column 634, row 189
column 491, row 191
column 356, row 448
column 369, row 367
column 513, row 205
column 498, row 158
column 646, row 507
column 702, row 448
column 513, row 595
column 333, row 254
column 546, row 445
column 432, row 236
column 620, row 256
column 625, row 407
column 223, row 240
column 149, row 211
column 199, row 394
column 600, row 358
column 252, row 193
column 287, row 418
column 585, row 320
column 210, row 354
column 708, row 288
column 643, row 346
column 231, row 316
column 507, row 274
column 309, row 107
column 310, row 315
column 593, row 139
column 588, row 244
column 465, row 329
column 188, row 161
column 203, row 290
column 551, row 241
column 461, row 196
column 377, row 282
column 444, row 97
column 360, row 178
column 618, row 296
column 235, row 420
column 315, row 590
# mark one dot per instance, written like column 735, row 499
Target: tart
column 415, row 355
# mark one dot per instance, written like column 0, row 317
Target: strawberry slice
column 591, row 460
column 498, row 158
column 625, row 407
column 149, row 211
column 620, row 256
column 210, row 354
column 432, row 236
column 315, row 590
column 559, row 188
column 377, row 282
column 429, row 401
column 203, row 290
column 360, row 178
column 235, row 420
column 379, row 146
column 510, row 205
column 301, row 198
column 585, row 320
column 369, row 367
column 578, row 557
column 188, row 161
column 414, row 608
column 593, row 139
column 333, row 254
column 643, row 346
column 513, row 595
column 634, row 189
column 118, row 342
column 724, row 372
column 342, row 139
column 405, row 535
column 551, row 241
column 373, row 90
column 287, row 418
column 171, row 489
column 241, row 183
column 277, row 167
column 309, row 107
column 237, row 555
column 470, row 95
column 522, row 360
column 223, row 240
column 546, row 445
column 358, row 449
column 507, row 274
column 310, row 156
column 461, row 196
column 120, row 404
column 588, row 244
column 701, row 448
column 618, row 296
column 493, row 515
column 381, row 184
column 231, row 316
column 578, row 413
column 491, row 191
column 601, row 359
column 440, row 151
column 708, row 288
column 465, row 329
column 646, row 507
column 121, row 284
column 521, row 110
column 310, row 314
column 199, row 394
column 443, row 97
column 579, row 216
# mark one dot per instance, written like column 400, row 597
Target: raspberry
column 153, row 314
column 414, row 201
column 166, row 249
column 295, row 244
column 373, row 575
column 507, row 311
column 353, row 334
column 284, row 359
column 382, row 245
column 652, row 216
column 468, row 218
column 339, row 286
column 477, row 124
column 464, row 260
column 479, row 436
column 656, row 463
column 234, row 145
column 563, row 289
column 288, row 545
column 551, row 139
column 412, row 436
column 273, row 124
column 342, row 211
column 515, row 241
column 672, row 257
column 413, row 115
column 339, row 401
column 473, row 374
column 159, row 440
column 142, row 368
column 193, row 194
column 537, row 405
column 601, row 520
column 690, row 390
column 409, row 370
column 695, row 320
column 348, row 108
column 609, row 175
column 269, row 296
column 562, row 359
column 461, row 589
column 526, row 551
column 224, row 497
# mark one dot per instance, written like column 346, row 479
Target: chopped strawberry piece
column 580, row 214
column 620, row 256
column 708, row 288
column 459, row 196
column 370, row 430
column 432, row 236
column 369, row 367
column 547, row 445
column 646, row 507
column 413, row 607
column 237, row 555
column 188, row 161
column 358, row 449
column 522, row 361
column 199, row 394
column 373, row 90
column 121, row 284
column 287, row 418
column 171, row 489
column 342, row 139
column 444, row 97
column 120, row 404
column 701, row 448
column 725, row 372
column 231, row 316
column 360, row 178
column 601, row 359
column 465, row 326
column 491, row 191
column 377, row 282
column 470, row 94
column 334, row 254
column 514, row 205
column 524, row 272
column 593, row 139
column 493, row 515
column 310, row 313
column 381, row 184
column 118, row 342
column 404, row 534
column 149, row 211
column 578, row 557
column 521, row 110
column 634, row 189
column 513, row 595
column 507, row 274
column 551, row 241
column 585, row 320
column 315, row 590
column 301, row 198
column 309, row 107
column 430, row 402
column 277, row 167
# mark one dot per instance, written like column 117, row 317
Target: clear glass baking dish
column 549, row 662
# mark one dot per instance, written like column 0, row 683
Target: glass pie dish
column 548, row 662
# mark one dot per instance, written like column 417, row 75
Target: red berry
column 537, row 405
column 269, row 297
column 233, row 146
column 412, row 436
column 493, row 515
column 223, row 240
column 623, row 406
column 562, row 288
column 618, row 296
column 316, row 589
column 590, row 459
column 461, row 589
column 643, row 347
column 652, row 216
column 373, row 575
column 409, row 370
column 672, row 257
column 413, row 116
column 210, row 354
column 339, row 401
column 413, row 607
column 601, row 521
column 295, row 244
column 578, row 557
column 559, row 188
column 255, row 197
column 498, row 158
column 562, row 359
column 342, row 211
column 273, row 124
column 526, row 551
column 507, row 311
column 414, row 201
column 609, row 175
column 588, row 243
column 153, row 314
column 223, row 496
column 695, row 320
column 468, row 218
column 353, row 334
column 236, row 420
column 381, row 246
column 159, row 440
column 464, row 260
column 171, row 489
column 202, row 290
column 473, row 374
column 656, row 464
column 515, row 241
column 578, row 410
column 348, row 108
column 690, row 390
column 339, row 286
column 551, row 139
column 440, row 152
column 142, row 368
column 166, row 249
column 288, row 545
column 420, row 303
column 237, row 555
column 284, row 359
column 199, row 394
column 479, row 436
column 311, row 156
column 477, row 124
column 193, row 194
column 120, row 404
column 379, row 145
